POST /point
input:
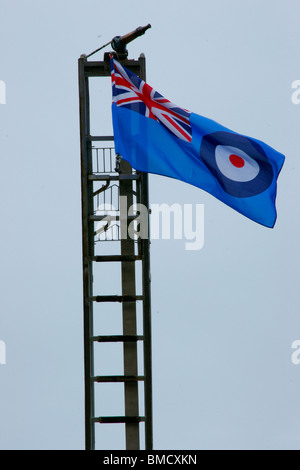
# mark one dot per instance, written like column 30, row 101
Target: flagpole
column 147, row 301
column 135, row 184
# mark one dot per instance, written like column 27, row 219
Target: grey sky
column 224, row 318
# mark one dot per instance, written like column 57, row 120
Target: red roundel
column 239, row 163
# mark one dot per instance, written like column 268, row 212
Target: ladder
column 106, row 182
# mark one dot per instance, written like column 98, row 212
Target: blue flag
column 156, row 136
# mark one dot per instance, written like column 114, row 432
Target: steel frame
column 128, row 299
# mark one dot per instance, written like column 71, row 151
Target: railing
column 107, row 194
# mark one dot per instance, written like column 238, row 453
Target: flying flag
column 157, row 136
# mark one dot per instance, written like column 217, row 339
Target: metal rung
column 117, row 338
column 118, row 177
column 116, row 298
column 100, row 137
column 118, row 378
column 112, row 218
column 115, row 258
column 119, row 419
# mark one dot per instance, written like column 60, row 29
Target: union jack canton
column 131, row 92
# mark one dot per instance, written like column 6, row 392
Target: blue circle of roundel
column 252, row 149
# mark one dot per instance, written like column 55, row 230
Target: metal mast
column 101, row 177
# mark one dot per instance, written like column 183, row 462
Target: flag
column 157, row 136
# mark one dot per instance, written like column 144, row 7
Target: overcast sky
column 224, row 317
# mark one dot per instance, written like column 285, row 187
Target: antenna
column 118, row 43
